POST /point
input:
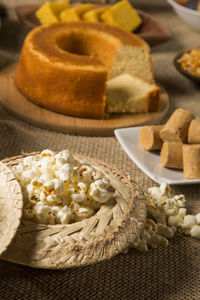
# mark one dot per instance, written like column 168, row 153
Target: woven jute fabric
column 163, row 273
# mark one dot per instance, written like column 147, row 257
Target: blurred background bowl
column 192, row 77
column 190, row 16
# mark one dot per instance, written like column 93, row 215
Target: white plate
column 148, row 162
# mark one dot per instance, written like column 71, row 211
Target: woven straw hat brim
column 110, row 231
column 11, row 202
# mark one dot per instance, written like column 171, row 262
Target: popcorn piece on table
column 169, row 214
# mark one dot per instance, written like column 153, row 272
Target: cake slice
column 123, row 15
column 75, row 13
column 93, row 15
column 68, row 15
column 49, row 12
column 129, row 94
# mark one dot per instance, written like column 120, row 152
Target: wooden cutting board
column 15, row 103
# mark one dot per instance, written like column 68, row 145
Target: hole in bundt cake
column 88, row 44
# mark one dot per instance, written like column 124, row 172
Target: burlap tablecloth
column 164, row 273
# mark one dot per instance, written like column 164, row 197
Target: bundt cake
column 64, row 67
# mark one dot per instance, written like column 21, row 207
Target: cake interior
column 129, row 94
column 132, row 60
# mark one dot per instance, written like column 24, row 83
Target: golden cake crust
column 64, row 66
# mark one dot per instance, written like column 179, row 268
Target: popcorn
column 98, row 191
column 182, row 212
column 169, row 214
column 78, row 197
column 54, row 199
column 64, row 215
column 30, row 188
column 195, row 231
column 20, row 167
column 56, row 188
column 28, row 175
column 152, row 235
column 65, row 172
column 85, row 172
column 55, row 185
column 197, row 218
column 46, row 167
column 155, row 193
column 162, row 206
column 43, row 214
column 81, row 212
column 82, row 186
column 165, row 231
column 47, row 153
column 55, row 209
column 60, row 162
column 68, row 157
column 189, row 221
column 46, row 177
column 28, row 161
column 175, row 220
column 42, row 197
column 165, row 188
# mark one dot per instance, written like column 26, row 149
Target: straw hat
column 100, row 237
column 11, row 202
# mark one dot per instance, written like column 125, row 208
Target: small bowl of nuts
column 188, row 63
